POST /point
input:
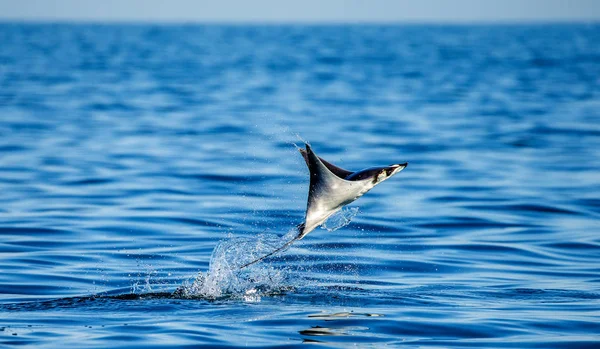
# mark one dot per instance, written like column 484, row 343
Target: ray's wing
column 327, row 192
column 338, row 171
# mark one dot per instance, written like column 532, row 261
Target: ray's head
column 377, row 174
column 391, row 170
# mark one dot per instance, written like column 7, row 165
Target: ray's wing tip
column 308, row 149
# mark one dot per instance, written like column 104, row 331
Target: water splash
column 225, row 279
column 340, row 219
column 145, row 281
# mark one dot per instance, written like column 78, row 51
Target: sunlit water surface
column 131, row 156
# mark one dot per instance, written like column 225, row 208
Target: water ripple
column 129, row 152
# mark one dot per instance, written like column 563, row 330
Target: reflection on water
column 345, row 314
column 337, row 326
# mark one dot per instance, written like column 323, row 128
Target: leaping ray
column 331, row 188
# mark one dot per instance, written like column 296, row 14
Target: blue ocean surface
column 133, row 155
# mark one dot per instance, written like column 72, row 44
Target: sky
column 301, row 10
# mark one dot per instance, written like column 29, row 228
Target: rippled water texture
column 128, row 153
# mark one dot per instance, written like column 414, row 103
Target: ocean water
column 131, row 156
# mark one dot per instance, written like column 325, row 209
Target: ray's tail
column 300, row 228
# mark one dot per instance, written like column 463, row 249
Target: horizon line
column 183, row 21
